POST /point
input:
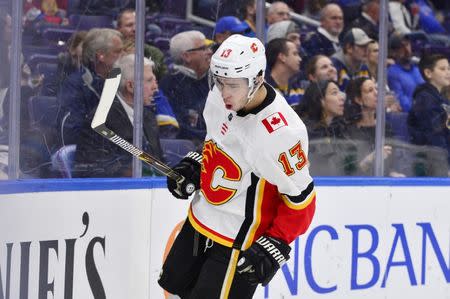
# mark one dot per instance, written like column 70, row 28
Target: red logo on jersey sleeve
column 274, row 122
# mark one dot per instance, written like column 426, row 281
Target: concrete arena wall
column 377, row 238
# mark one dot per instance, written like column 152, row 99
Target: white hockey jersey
column 255, row 178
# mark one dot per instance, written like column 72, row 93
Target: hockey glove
column 190, row 168
column 261, row 261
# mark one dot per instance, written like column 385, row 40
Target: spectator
column 403, row 76
column 277, row 12
column 360, row 111
column 80, row 92
column 392, row 104
column 186, row 86
column 369, row 19
column 350, row 61
column 227, row 26
column 248, row 13
column 428, row 118
column 5, row 42
column 403, row 20
column 285, row 29
column 313, row 8
column 283, row 63
column 322, row 110
column 320, row 68
column 406, row 21
column 167, row 123
column 126, row 24
column 325, row 40
column 69, row 61
column 97, row 157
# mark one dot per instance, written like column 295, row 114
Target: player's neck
column 258, row 98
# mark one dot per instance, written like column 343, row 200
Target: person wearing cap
column 403, row 76
column 284, row 29
column 186, row 86
column 325, row 40
column 227, row 26
column 283, row 64
column 350, row 61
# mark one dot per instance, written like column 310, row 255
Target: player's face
column 234, row 92
column 333, row 102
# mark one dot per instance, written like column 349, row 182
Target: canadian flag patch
column 274, row 122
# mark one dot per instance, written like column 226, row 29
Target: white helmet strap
column 254, row 88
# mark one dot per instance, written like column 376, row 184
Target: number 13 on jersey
column 295, row 151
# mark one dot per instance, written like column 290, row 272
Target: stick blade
column 107, row 97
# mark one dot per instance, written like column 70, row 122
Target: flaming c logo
column 254, row 47
column 214, row 159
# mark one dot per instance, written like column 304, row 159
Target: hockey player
column 255, row 192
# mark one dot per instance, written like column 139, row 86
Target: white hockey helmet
column 240, row 57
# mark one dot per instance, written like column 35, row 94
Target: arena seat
column 50, row 82
column 56, row 34
column 84, row 22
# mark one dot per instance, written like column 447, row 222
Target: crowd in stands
column 328, row 74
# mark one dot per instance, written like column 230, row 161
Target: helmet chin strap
column 251, row 93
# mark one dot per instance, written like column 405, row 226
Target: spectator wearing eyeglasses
column 186, row 86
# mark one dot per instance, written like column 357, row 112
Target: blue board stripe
column 51, row 185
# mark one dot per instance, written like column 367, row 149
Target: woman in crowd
column 359, row 113
column 322, row 110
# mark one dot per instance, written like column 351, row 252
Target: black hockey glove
column 190, row 168
column 261, row 261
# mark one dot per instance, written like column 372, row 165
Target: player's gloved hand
column 190, row 168
column 261, row 261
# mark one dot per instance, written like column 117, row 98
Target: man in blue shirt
column 403, row 76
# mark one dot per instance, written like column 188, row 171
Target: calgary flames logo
column 217, row 161
column 254, row 47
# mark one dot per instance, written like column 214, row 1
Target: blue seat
column 398, row 123
column 29, row 50
column 162, row 43
column 62, row 160
column 85, row 22
column 175, row 149
column 35, row 59
column 56, row 34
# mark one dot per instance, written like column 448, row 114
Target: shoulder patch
column 274, row 121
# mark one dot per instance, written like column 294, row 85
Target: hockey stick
column 99, row 126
